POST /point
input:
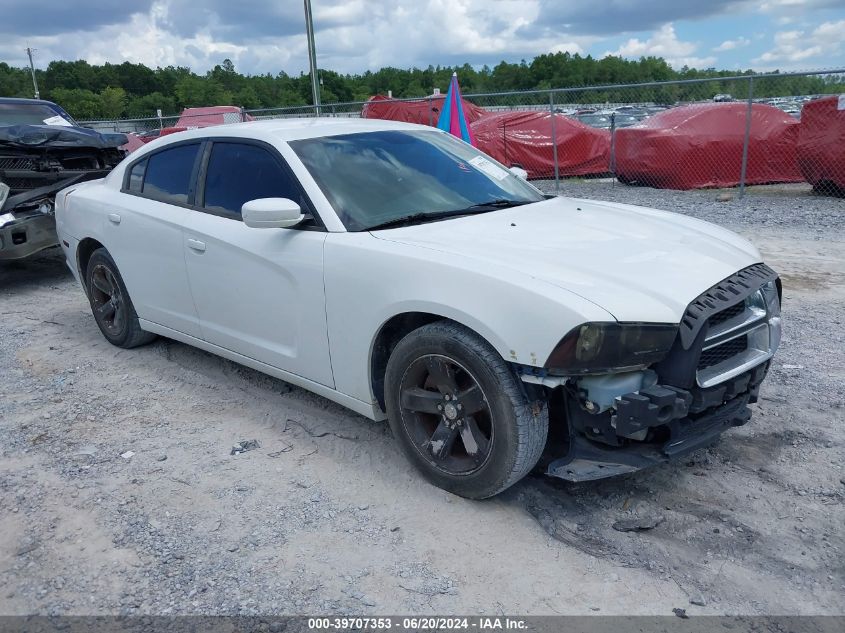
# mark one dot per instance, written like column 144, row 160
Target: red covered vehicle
column 700, row 146
column 423, row 111
column 821, row 144
column 527, row 138
column 192, row 118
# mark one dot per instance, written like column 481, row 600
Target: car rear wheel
column 459, row 413
column 110, row 303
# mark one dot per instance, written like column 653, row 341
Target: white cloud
column 351, row 36
column 796, row 5
column 567, row 47
column 798, row 48
column 356, row 35
column 665, row 43
column 729, row 45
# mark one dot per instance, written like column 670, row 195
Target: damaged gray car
column 43, row 150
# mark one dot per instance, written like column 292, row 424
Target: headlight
column 601, row 347
column 771, row 294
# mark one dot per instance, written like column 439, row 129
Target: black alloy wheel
column 110, row 303
column 107, row 301
column 459, row 412
column 446, row 414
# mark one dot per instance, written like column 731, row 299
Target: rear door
column 145, row 238
column 258, row 292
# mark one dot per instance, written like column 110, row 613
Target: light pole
column 312, row 57
column 29, row 52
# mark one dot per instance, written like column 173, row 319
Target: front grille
column 25, row 183
column 727, row 313
column 724, row 294
column 16, row 162
column 723, row 352
column 740, row 332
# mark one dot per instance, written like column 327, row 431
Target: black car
column 43, row 150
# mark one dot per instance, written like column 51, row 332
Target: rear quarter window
column 135, row 182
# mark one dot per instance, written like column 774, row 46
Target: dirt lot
column 326, row 516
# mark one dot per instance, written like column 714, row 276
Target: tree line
column 127, row 90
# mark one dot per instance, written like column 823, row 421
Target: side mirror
column 517, row 170
column 271, row 213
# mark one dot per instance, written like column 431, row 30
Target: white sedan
column 403, row 274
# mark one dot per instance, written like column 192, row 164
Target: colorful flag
column 452, row 118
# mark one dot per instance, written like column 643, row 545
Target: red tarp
column 699, row 146
column 821, row 142
column 214, row 115
column 525, row 138
column 192, row 118
column 424, row 111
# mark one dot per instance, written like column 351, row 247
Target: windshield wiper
column 426, row 217
column 402, row 221
column 483, row 207
column 499, row 203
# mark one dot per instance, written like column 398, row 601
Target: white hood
column 639, row 264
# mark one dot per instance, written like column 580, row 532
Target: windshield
column 374, row 178
column 33, row 114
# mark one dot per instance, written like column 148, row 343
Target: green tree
column 80, row 103
column 112, row 102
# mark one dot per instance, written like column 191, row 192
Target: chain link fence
column 786, row 130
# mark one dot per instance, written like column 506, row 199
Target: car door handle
column 114, row 218
column 196, row 245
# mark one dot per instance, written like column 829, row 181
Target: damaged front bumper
column 611, row 423
column 27, row 222
column 22, row 235
column 673, row 423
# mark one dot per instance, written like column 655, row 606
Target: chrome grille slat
column 737, row 340
column 733, row 328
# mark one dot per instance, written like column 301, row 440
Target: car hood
column 58, row 136
column 639, row 264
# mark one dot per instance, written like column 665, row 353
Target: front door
column 258, row 292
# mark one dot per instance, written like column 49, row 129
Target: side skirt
column 368, row 410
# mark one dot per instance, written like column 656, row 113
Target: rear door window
column 169, row 174
column 240, row 172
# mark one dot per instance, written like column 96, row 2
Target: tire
column 459, row 412
column 110, row 303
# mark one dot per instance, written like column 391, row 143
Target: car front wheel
column 459, row 412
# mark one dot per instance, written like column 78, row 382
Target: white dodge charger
column 404, row 274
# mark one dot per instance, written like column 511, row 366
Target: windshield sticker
column 58, row 120
column 491, row 169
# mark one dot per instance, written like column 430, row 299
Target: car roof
column 295, row 128
column 24, row 101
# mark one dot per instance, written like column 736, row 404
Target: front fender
column 369, row 281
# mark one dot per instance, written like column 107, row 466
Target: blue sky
column 357, row 35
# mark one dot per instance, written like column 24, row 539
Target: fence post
column 613, row 145
column 744, row 170
column 554, row 141
column 429, row 112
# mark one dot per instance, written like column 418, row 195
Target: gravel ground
column 119, row 492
